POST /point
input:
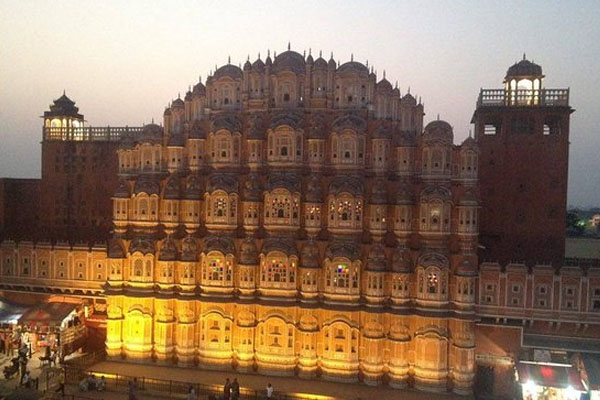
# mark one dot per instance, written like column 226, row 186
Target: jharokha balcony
column 523, row 97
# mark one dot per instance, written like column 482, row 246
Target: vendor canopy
column 47, row 314
column 550, row 376
column 10, row 313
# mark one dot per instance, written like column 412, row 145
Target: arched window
column 217, row 269
column 282, row 208
column 221, row 208
column 284, row 145
column 342, row 276
column 278, row 270
column 345, row 212
column 138, row 268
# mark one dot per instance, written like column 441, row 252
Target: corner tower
column 523, row 135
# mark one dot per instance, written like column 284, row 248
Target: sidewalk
column 257, row 382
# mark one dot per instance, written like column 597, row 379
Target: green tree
column 575, row 225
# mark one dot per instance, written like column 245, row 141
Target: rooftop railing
column 523, row 97
column 88, row 133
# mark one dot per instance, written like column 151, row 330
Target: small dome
column 309, row 59
column 320, row 64
column 469, row 143
column 199, row 89
column 396, row 92
column 331, row 63
column 525, row 69
column 354, row 66
column 384, row 85
column 177, row 103
column 188, row 96
column 439, row 130
column 466, row 268
column 167, row 111
column 289, row 61
column 408, row 99
column 309, row 257
column 258, row 65
column 248, row 252
column 401, row 261
column 147, row 186
column 151, row 131
column 268, row 61
column 376, row 261
column 229, row 70
column 247, row 65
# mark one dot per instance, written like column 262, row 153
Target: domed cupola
column 401, row 261
column 384, row 85
column 167, row 112
column 438, row 131
column 289, row 61
column 309, row 256
column 396, row 91
column 177, row 103
column 247, row 65
column 524, row 69
column 320, row 63
column 151, row 132
column 408, row 99
column 469, row 198
column 309, row 59
column 376, row 261
column 523, row 80
column 188, row 95
column 354, row 66
column 331, row 63
column 199, row 89
column 228, row 70
column 258, row 65
column 469, row 143
column 248, row 252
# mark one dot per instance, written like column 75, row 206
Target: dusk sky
column 123, row 61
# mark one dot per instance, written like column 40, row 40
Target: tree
column 575, row 225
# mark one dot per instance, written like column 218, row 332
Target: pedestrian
column 22, row 369
column 269, row 390
column 227, row 390
column 235, row 390
column 132, row 390
column 102, row 384
column 61, row 383
column 191, row 393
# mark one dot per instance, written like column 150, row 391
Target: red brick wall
column 523, row 181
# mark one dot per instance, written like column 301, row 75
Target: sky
column 123, row 61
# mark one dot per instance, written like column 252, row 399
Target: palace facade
column 294, row 216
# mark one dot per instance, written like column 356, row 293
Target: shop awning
column 592, row 369
column 10, row 313
column 47, row 314
column 550, row 376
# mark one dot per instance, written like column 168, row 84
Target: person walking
column 191, row 393
column 235, row 390
column 227, row 390
column 269, row 391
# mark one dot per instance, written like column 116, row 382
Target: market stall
column 549, row 381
